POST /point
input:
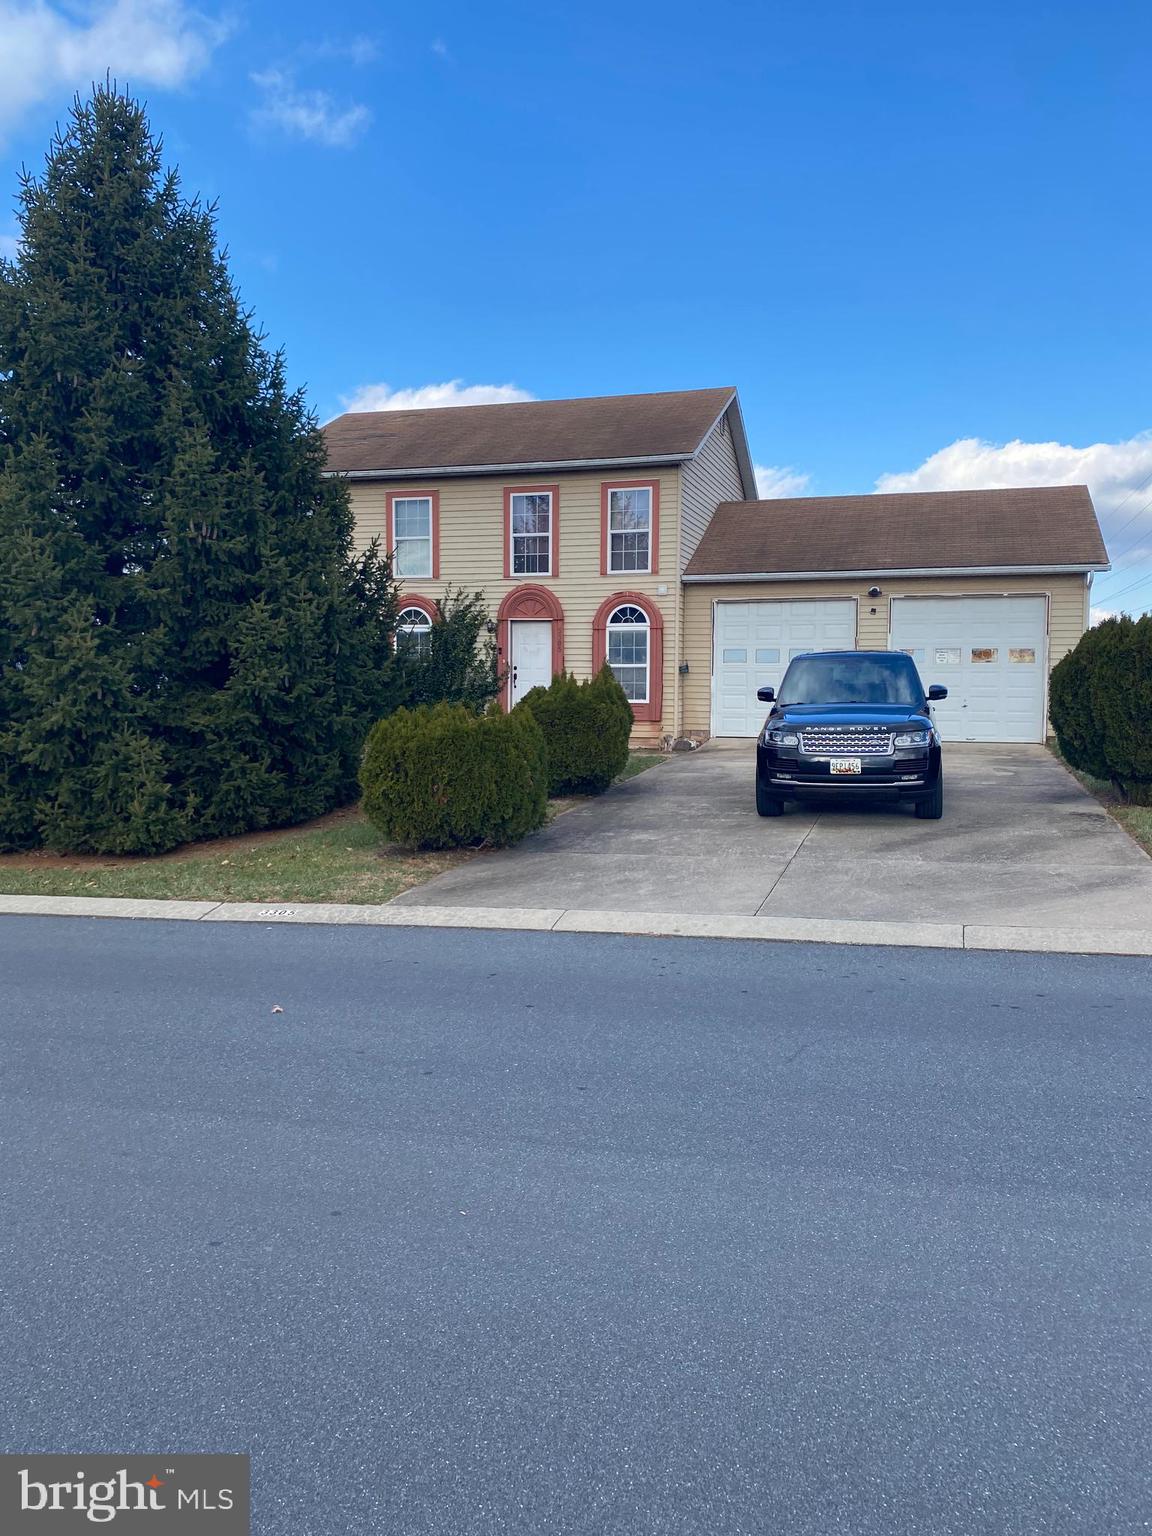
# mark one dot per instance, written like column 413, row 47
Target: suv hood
column 849, row 714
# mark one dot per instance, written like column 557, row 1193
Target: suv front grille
column 836, row 743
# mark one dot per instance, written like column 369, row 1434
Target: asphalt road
column 500, row 1233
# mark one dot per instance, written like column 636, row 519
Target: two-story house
column 576, row 518
column 626, row 529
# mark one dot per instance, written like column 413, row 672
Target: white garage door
column 752, row 644
column 991, row 653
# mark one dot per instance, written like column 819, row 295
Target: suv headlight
column 913, row 739
column 782, row 738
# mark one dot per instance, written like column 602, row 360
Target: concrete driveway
column 1020, row 845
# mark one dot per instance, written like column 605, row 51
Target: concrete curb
column 789, row 930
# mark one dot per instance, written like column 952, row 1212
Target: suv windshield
column 883, row 678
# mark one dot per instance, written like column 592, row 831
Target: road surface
column 539, row 1233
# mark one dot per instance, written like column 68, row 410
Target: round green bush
column 1070, row 708
column 442, row 776
column 1101, row 705
column 586, row 727
column 1121, row 690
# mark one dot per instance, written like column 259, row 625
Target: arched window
column 628, row 635
column 629, row 648
column 413, row 632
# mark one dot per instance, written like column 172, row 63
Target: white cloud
column 9, row 247
column 1113, row 472
column 304, row 114
column 1098, row 615
column 49, row 49
column 382, row 397
column 440, row 48
column 777, row 480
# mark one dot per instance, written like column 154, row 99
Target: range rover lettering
column 847, row 724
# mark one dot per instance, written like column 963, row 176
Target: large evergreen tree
column 188, row 647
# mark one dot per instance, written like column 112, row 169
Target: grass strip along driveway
column 338, row 858
column 1135, row 819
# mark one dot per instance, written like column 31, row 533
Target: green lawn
column 1135, row 819
column 639, row 762
column 338, row 858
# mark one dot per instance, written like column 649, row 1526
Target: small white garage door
column 991, row 653
column 752, row 644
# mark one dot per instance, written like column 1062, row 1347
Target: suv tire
column 931, row 807
column 766, row 804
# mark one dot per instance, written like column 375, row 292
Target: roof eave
column 1081, row 568
column 528, row 467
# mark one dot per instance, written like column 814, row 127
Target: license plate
column 844, row 765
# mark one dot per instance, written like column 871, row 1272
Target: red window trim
column 529, row 490
column 654, row 709
column 427, row 605
column 528, row 602
column 423, row 494
column 654, row 533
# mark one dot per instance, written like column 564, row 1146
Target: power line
column 1119, row 555
column 1146, row 481
column 1143, row 582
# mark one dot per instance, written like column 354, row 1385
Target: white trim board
column 885, row 575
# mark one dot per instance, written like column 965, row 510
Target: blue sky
column 915, row 234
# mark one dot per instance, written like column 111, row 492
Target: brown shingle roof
column 913, row 530
column 609, row 428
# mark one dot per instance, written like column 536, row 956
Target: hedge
column 1100, row 701
column 442, row 776
column 586, row 728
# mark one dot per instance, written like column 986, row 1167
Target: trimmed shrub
column 606, row 682
column 442, row 776
column 1070, row 708
column 1121, row 690
column 1101, row 705
column 585, row 728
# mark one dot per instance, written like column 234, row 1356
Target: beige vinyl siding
column 472, row 554
column 1065, row 616
column 708, row 479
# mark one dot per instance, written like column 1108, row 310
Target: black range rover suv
column 850, row 723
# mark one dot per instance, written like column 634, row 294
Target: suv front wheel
column 766, row 804
column 931, row 807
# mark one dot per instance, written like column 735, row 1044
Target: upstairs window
column 413, row 632
column 412, row 533
column 628, row 650
column 531, row 533
column 630, row 528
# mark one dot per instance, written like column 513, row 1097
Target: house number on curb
column 277, row 912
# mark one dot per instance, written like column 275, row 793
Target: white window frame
column 423, row 628
column 629, row 570
column 632, row 629
column 513, row 535
column 397, row 540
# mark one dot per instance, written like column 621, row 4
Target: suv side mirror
column 766, row 695
column 937, row 691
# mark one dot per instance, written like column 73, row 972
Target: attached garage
column 753, row 644
column 986, row 589
column 991, row 655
